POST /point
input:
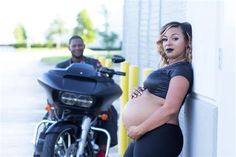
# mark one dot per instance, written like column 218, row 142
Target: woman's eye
column 175, row 38
column 164, row 39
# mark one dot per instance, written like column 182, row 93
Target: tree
column 20, row 34
column 108, row 38
column 56, row 31
column 85, row 27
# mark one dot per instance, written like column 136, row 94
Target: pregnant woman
column 151, row 115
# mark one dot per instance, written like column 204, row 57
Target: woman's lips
column 169, row 50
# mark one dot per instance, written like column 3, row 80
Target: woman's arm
column 178, row 88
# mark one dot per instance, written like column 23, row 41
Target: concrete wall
column 201, row 114
column 226, row 93
column 208, row 117
column 214, row 51
column 141, row 22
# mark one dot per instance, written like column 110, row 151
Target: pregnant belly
column 139, row 109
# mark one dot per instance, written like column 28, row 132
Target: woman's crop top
column 158, row 81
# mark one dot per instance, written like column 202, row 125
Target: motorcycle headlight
column 75, row 99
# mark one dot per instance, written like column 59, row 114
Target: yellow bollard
column 133, row 78
column 122, row 133
column 108, row 63
column 133, row 83
column 146, row 72
column 127, row 85
column 124, row 84
column 102, row 60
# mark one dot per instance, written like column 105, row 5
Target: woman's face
column 174, row 44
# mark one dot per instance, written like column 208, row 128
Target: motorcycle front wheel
column 63, row 144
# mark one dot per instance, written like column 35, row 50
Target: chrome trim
column 37, row 128
column 108, row 138
column 85, row 129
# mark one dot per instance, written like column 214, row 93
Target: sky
column 36, row 15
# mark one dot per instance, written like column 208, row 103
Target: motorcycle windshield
column 77, row 77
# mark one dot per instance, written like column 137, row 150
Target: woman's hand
column 134, row 132
column 137, row 92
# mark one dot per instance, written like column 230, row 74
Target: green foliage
column 54, row 59
column 109, row 39
column 55, row 32
column 85, row 27
column 18, row 45
column 93, row 54
column 38, row 45
column 20, row 34
column 102, row 49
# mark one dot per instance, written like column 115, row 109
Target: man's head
column 76, row 47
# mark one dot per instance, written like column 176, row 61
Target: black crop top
column 158, row 81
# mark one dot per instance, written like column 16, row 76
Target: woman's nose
column 168, row 42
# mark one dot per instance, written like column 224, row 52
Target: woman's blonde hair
column 187, row 32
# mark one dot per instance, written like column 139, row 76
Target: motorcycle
column 78, row 98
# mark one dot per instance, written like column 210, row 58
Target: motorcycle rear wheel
column 63, row 144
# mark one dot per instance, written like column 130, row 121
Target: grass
column 89, row 53
column 54, row 59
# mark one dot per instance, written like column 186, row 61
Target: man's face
column 77, row 48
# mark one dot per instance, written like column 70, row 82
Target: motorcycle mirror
column 117, row 59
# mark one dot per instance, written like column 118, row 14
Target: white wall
column 214, row 66
column 208, row 118
column 130, row 30
column 141, row 25
column 202, row 111
column 226, row 99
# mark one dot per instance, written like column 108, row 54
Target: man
column 76, row 47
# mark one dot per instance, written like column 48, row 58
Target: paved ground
column 21, row 102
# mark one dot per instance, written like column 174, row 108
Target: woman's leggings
column 164, row 141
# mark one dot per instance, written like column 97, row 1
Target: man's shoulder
column 64, row 64
column 90, row 59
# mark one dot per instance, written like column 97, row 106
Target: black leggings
column 164, row 141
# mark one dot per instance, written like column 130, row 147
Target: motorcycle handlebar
column 111, row 72
column 120, row 73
